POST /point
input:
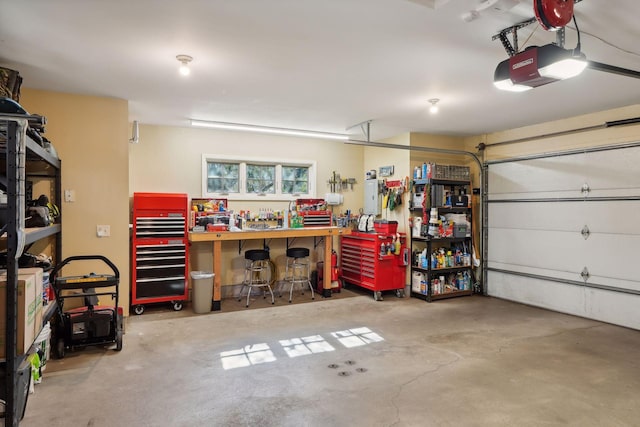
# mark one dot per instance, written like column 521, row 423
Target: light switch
column 103, row 230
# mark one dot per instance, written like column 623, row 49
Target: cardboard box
column 38, row 289
column 26, row 313
column 30, row 306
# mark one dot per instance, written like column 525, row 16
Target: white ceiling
column 314, row 64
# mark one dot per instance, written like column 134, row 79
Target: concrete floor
column 470, row 361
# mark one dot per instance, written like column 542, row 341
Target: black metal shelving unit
column 429, row 242
column 432, row 272
column 22, row 158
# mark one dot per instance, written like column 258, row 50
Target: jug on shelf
column 417, row 225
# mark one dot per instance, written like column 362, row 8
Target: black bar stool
column 298, row 270
column 257, row 273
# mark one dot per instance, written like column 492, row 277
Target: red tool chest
column 159, row 250
column 367, row 262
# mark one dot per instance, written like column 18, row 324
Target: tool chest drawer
column 173, row 225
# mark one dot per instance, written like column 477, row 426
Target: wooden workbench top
column 274, row 233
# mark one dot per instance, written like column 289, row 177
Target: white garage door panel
column 616, row 169
column 600, row 217
column 580, row 301
column 566, row 252
column 533, row 248
column 607, row 173
column 554, row 177
column 551, row 295
column 570, row 276
column 625, row 313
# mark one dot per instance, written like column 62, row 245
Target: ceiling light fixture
column 184, row 64
column 434, row 107
column 267, row 129
column 537, row 66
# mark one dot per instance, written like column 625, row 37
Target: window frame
column 243, row 161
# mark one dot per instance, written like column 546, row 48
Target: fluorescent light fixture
column 267, row 129
column 537, row 66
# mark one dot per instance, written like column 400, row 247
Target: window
column 295, row 179
column 257, row 178
column 223, row 177
column 261, row 179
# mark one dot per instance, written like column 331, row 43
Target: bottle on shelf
column 434, row 223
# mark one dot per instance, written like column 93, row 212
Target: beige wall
column 169, row 159
column 90, row 135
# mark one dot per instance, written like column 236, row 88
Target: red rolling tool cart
column 159, row 250
column 374, row 261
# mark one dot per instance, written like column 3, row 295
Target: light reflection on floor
column 256, row 354
column 247, row 356
column 356, row 337
column 304, row 346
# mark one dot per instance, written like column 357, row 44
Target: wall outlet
column 69, row 196
column 103, row 230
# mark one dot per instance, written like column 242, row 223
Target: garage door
column 564, row 232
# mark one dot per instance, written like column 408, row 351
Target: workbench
column 217, row 237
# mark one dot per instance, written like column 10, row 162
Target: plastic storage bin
column 202, row 291
column 385, row 227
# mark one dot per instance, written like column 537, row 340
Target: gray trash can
column 202, row 291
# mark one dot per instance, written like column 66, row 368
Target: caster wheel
column 177, row 305
column 138, row 309
column 400, row 293
column 377, row 296
column 119, row 341
column 60, row 350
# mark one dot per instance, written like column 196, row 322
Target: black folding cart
column 90, row 324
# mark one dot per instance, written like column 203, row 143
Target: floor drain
column 350, row 362
column 344, row 373
column 333, row 366
column 361, row 370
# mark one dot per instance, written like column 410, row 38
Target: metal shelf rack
column 23, row 157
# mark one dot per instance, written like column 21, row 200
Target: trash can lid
column 201, row 275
